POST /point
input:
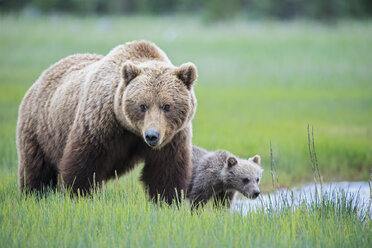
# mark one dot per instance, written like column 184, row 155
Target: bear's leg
column 223, row 199
column 35, row 173
column 80, row 163
column 167, row 171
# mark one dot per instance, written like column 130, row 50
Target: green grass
column 259, row 82
column 121, row 216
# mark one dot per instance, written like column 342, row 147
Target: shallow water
column 358, row 194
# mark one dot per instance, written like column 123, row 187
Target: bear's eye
column 166, row 107
column 143, row 107
column 245, row 180
column 257, row 180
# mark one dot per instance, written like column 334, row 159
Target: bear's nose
column 256, row 193
column 152, row 137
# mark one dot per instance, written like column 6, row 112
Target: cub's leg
column 223, row 199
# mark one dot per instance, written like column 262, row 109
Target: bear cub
column 220, row 174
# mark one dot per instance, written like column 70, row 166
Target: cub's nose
column 256, row 193
column 152, row 137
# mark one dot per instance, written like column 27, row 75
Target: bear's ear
column 257, row 159
column 130, row 71
column 187, row 73
column 231, row 161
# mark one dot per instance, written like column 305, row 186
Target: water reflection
column 353, row 195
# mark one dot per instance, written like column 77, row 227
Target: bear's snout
column 152, row 137
column 256, row 193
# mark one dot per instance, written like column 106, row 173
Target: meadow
column 260, row 82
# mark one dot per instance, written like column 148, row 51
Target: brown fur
column 220, row 174
column 81, row 121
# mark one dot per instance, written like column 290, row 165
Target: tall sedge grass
column 121, row 215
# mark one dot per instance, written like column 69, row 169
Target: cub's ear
column 257, row 159
column 231, row 161
column 187, row 73
column 130, row 71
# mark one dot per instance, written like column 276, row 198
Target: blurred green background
column 266, row 71
column 211, row 9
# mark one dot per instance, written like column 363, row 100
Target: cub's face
column 158, row 100
column 244, row 175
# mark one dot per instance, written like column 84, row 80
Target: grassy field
column 259, row 82
column 121, row 216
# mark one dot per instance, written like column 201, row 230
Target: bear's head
column 243, row 175
column 158, row 100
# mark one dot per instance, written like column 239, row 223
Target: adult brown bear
column 90, row 116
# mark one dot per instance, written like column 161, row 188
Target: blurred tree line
column 212, row 9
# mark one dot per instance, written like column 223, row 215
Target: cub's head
column 244, row 175
column 158, row 100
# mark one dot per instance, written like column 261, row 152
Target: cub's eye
column 257, row 180
column 143, row 107
column 166, row 107
column 245, row 180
